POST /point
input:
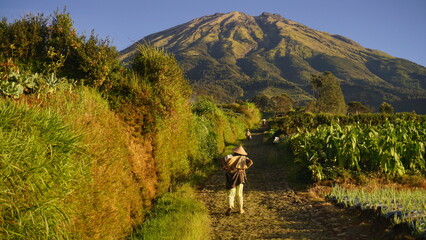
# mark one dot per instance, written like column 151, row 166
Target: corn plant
column 393, row 148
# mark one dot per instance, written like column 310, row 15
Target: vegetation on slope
column 99, row 143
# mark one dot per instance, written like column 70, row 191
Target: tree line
column 328, row 98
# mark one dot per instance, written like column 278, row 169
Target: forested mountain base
column 234, row 55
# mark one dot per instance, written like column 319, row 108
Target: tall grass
column 121, row 168
column 176, row 215
column 41, row 165
column 71, row 169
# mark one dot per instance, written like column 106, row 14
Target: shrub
column 51, row 45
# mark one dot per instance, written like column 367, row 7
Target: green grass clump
column 176, row 215
column 41, row 166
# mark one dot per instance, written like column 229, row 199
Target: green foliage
column 176, row 215
column 106, row 199
column 42, row 165
column 155, row 101
column 330, row 97
column 357, row 108
column 394, row 149
column 278, row 104
column 250, row 113
column 386, row 108
column 400, row 206
column 115, row 198
column 228, row 123
column 51, row 46
column 204, row 107
column 295, row 122
column 14, row 83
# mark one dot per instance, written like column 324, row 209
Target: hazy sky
column 397, row 27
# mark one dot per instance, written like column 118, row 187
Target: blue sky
column 397, row 27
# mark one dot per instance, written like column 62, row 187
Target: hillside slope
column 235, row 55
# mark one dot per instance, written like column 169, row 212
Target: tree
column 282, row 103
column 262, row 101
column 329, row 97
column 51, row 46
column 386, row 108
column 357, row 107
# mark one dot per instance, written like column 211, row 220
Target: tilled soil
column 273, row 210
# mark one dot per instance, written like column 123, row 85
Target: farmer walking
column 235, row 165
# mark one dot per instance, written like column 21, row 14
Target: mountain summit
column 236, row 55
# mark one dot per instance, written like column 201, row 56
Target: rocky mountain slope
column 234, row 55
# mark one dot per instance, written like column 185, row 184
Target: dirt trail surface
column 273, row 210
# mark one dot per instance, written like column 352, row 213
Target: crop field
column 390, row 150
column 393, row 149
column 403, row 206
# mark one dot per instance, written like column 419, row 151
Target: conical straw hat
column 240, row 150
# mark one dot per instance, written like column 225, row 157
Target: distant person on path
column 263, row 122
column 248, row 134
column 235, row 165
column 276, row 139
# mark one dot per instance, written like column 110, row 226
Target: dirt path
column 273, row 210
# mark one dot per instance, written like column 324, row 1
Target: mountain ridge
column 239, row 56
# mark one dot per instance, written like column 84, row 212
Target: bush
column 51, row 46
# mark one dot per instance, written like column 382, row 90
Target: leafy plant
column 393, row 149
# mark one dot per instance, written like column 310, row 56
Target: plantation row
column 398, row 206
column 394, row 149
column 296, row 122
column 355, row 148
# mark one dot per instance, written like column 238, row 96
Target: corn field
column 395, row 149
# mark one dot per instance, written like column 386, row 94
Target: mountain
column 236, row 56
